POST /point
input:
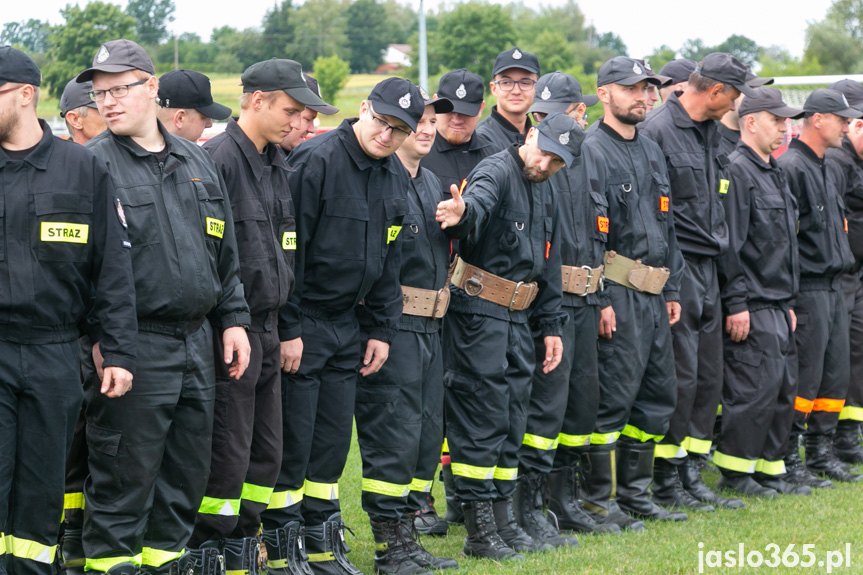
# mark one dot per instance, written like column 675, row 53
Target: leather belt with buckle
column 515, row 296
column 635, row 275
column 425, row 302
column 581, row 280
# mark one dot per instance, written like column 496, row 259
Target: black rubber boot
column 131, row 569
column 511, row 532
column 564, row 507
column 482, row 538
column 391, row 550
column 242, row 556
column 796, row 473
column 779, row 485
column 846, row 443
column 744, row 484
column 668, row 491
column 420, row 555
column 600, row 487
column 821, row 460
column 528, row 506
column 427, row 521
column 327, row 550
column 690, row 478
column 72, row 552
column 207, row 560
column 285, row 550
column 454, row 513
column 634, row 476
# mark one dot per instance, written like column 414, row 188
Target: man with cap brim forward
column 400, row 452
column 80, row 112
column 186, row 106
column 506, row 281
column 822, row 333
column 248, row 421
column 686, row 131
column 65, row 254
column 307, row 127
column 349, row 196
column 150, row 450
column 760, row 273
column 562, row 409
column 513, row 78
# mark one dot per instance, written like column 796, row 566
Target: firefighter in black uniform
column 248, row 424
column 510, row 256
column 65, row 251
column 513, row 79
column 760, row 274
column 822, row 319
column 686, row 131
column 642, row 268
column 679, row 71
column 399, row 410
column 79, row 112
column 186, row 106
column 349, row 196
column 150, row 450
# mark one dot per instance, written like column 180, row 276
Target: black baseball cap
column 17, row 67
column 190, row 89
column 327, row 109
column 726, row 69
column 278, row 74
column 679, row 70
column 852, row 90
column 754, row 81
column 398, row 98
column 441, row 105
column 666, row 80
column 560, row 134
column 515, row 58
column 768, row 100
column 118, row 56
column 626, row 72
column 555, row 92
column 75, row 95
column 464, row 89
column 827, row 101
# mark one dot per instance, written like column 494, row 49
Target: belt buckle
column 514, row 295
column 473, row 287
column 587, row 285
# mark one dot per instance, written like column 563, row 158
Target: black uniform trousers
column 247, row 440
column 758, row 395
column 698, row 361
column 488, row 366
column 823, row 356
column 150, row 452
column 399, row 415
column 40, row 397
column 637, row 385
column 852, row 285
column 562, row 409
column 317, row 417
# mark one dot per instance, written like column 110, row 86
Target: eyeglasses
column 507, row 85
column 394, row 130
column 116, row 92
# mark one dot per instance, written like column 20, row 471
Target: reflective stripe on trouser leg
column 76, row 462
column 157, row 558
column 853, row 291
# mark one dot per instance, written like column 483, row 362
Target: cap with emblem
column 626, row 72
column 190, row 89
column 118, row 56
column 827, row 101
column 852, row 90
column 464, row 88
column 666, row 80
column 279, row 74
column 76, row 95
column 728, row 70
column 555, row 92
column 18, row 67
column 398, row 98
column 441, row 105
column 560, row 134
column 678, row 70
column 768, row 100
column 327, row 109
column 515, row 58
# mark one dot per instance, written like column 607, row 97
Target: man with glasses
column 515, row 75
column 349, row 197
column 150, row 449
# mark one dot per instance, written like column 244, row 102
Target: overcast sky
column 642, row 24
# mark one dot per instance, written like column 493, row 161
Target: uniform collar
column 806, row 150
column 749, row 153
column 40, row 155
column 506, row 125
column 475, row 143
column 848, row 148
column 172, row 142
column 250, row 152
column 362, row 160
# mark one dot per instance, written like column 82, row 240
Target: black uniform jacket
column 728, row 139
column 452, row 164
column 510, row 228
column 761, row 266
column 263, row 216
column 633, row 177
column 498, row 132
column 184, row 253
column 824, row 249
column 63, row 248
column 850, row 168
column 349, row 208
column 693, row 160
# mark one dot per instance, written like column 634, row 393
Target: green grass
column 828, row 519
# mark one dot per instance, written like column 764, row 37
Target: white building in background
column 398, row 54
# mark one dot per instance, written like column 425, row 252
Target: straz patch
column 215, row 228
column 723, row 187
column 663, row 203
column 393, row 233
column 289, row 241
column 602, row 224
column 65, row 232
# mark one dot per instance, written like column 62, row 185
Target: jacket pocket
column 64, row 226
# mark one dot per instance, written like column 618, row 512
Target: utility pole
column 423, row 55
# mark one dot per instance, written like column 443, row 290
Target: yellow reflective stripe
column 158, row 557
column 329, row 491
column 224, row 507
column 421, row 485
column 472, row 471
column 642, row 436
column 445, row 447
column 108, row 562
column 282, row 499
column 64, row 232
column 719, row 409
column 506, row 473
column 256, row 493
column 851, row 412
column 237, row 572
column 277, row 564
column 604, row 438
column 669, row 451
column 73, row 501
column 539, row 442
column 2, row 543
column 693, row 445
column 573, row 440
column 734, row 463
column 770, row 467
column 385, row 488
column 26, row 549
column 319, row 557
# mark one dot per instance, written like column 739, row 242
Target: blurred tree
column 278, row 30
column 367, row 34
column 742, row 48
column 30, row 35
column 472, row 35
column 319, row 31
column 151, row 19
column 332, row 75
column 660, row 57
